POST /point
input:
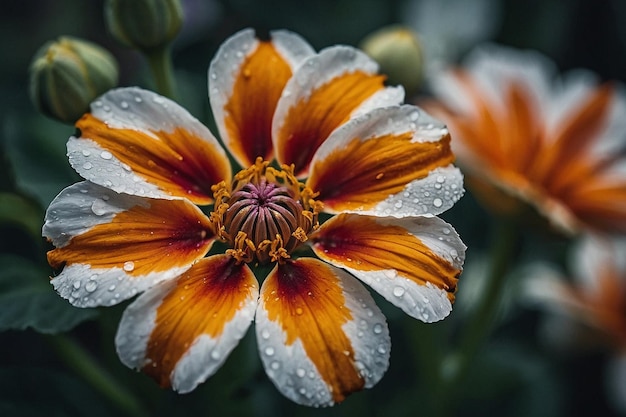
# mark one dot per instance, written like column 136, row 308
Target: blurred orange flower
column 526, row 137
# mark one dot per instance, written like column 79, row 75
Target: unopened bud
column 68, row 74
column 399, row 53
column 144, row 24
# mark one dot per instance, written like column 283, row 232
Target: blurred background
column 517, row 373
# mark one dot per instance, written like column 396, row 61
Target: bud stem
column 160, row 61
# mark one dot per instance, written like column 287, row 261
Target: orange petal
column 137, row 142
column 392, row 161
column 112, row 246
column 246, row 79
column 412, row 262
column 320, row 334
column 182, row 331
column 325, row 92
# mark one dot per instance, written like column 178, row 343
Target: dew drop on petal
column 76, row 284
column 215, row 355
column 129, row 266
column 98, row 207
column 378, row 328
column 398, row 291
column 91, row 286
column 269, row 351
column 87, row 165
column 265, row 334
column 106, row 155
column 437, row 202
column 300, row 372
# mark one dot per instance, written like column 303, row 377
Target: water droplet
column 129, row 266
column 302, row 391
column 454, row 253
column 390, row 273
column 138, row 99
column 124, row 105
column 98, row 207
column 215, row 354
column 91, row 286
column 398, row 291
column 382, row 349
column 265, row 334
column 414, row 116
column 107, row 108
column 112, row 287
column 446, row 231
column 106, row 155
column 76, row 284
column 275, row 365
column 213, row 76
column 86, row 152
column 299, row 311
column 87, row 165
column 437, row 202
column 300, row 372
column 378, row 328
column 269, row 351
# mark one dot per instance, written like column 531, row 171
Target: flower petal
column 320, row 334
column 137, row 142
column 112, row 246
column 246, row 79
column 325, row 92
column 181, row 332
column 413, row 262
column 393, row 161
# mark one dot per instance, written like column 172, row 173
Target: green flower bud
column 68, row 74
column 399, row 53
column 144, row 24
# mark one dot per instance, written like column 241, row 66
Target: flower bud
column 398, row 52
column 68, row 74
column 144, row 24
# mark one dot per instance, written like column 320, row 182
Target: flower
column 333, row 167
column 522, row 135
column 591, row 310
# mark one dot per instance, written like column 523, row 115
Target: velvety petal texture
column 394, row 161
column 325, row 92
column 112, row 246
column 180, row 332
column 137, row 142
column 414, row 262
column 320, row 334
column 246, row 80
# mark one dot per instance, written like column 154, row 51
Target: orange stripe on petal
column 405, row 260
column 156, row 237
column 202, row 302
column 306, row 300
column 361, row 174
column 250, row 108
column 176, row 161
column 311, row 120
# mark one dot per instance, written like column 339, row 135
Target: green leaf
column 27, row 300
column 35, row 147
column 19, row 211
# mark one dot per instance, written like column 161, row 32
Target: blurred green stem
column 482, row 319
column 83, row 364
column 160, row 61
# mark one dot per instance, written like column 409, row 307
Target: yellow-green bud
column 398, row 51
column 144, row 24
column 68, row 74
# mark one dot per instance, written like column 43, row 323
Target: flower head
column 332, row 166
column 523, row 136
column 590, row 310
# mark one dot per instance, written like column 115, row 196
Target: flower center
column 265, row 214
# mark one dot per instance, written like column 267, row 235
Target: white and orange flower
column 333, row 166
column 522, row 135
column 589, row 310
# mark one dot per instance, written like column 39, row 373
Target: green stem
column 84, row 365
column 160, row 61
column 482, row 320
